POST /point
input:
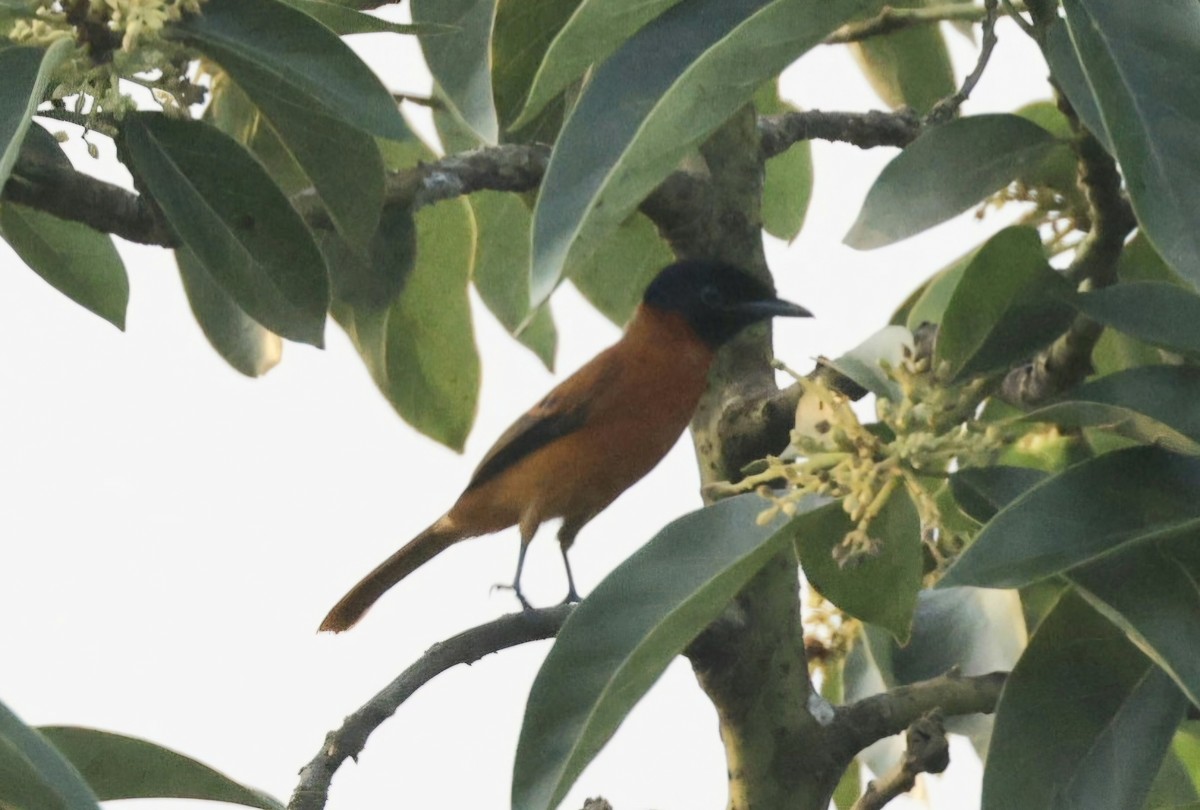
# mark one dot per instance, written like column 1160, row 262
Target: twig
column 947, row 108
column 864, row 130
column 857, row 725
column 467, row 647
column 1068, row 361
column 890, row 20
column 928, row 752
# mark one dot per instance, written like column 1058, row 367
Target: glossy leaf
column 1150, row 404
column 930, row 305
column 1140, row 62
column 788, row 177
column 881, row 589
column 907, row 68
column 863, row 363
column 669, row 86
column 944, row 172
column 1068, row 73
column 1008, row 304
column 460, row 59
column 1157, row 312
column 981, row 492
column 342, row 20
column 120, row 767
column 238, row 338
column 79, row 262
column 1096, row 508
column 524, row 30
column 371, row 278
column 620, row 639
column 1150, row 591
column 593, row 31
column 34, row 775
column 229, row 212
column 1081, row 699
column 501, row 277
column 271, row 48
column 421, row 350
column 614, row 277
column 26, row 73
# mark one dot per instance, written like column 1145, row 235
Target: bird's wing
column 561, row 412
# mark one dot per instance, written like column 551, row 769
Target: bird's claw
column 504, row 586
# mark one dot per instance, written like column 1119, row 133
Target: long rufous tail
column 418, row 551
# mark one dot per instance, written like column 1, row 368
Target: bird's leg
column 529, row 526
column 566, row 538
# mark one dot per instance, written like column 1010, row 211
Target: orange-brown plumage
column 597, row 432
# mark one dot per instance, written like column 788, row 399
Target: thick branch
column 1069, row 359
column 927, row 751
column 467, row 647
column 859, row 724
column 78, row 197
column 864, row 130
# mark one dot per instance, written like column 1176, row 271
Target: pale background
column 171, row 533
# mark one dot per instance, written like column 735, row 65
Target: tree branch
column 890, row 20
column 1069, row 359
column 347, row 742
column 864, row 130
column 948, row 107
column 927, row 751
column 857, row 725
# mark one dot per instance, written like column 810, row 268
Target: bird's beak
column 772, row 308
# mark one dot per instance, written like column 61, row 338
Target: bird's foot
column 572, row 598
column 503, row 586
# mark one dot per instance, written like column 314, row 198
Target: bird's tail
column 418, row 551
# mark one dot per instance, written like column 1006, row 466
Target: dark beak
column 772, row 308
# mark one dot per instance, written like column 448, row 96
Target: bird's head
column 718, row 300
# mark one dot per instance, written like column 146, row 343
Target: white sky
column 172, row 532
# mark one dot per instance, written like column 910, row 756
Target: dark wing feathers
column 561, row 412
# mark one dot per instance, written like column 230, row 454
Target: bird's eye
column 710, row 296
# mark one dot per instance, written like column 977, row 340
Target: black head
column 718, row 300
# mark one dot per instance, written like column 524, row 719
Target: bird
column 596, row 433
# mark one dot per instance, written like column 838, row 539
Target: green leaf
column 237, row 337
column 523, row 31
column 1095, row 508
column 1157, row 312
column 907, row 68
column 1149, row 404
column 1068, row 74
column 614, row 277
column 1008, row 304
column 1140, row 61
column 1150, row 591
column 77, row 261
column 270, row 48
column 460, row 60
column 342, row 20
column 34, row 775
column 669, row 86
column 371, row 279
column 981, row 492
column 1173, row 787
column 120, row 767
column 26, row 73
column 881, row 589
column 944, row 172
column 421, row 350
column 863, row 363
column 621, row 638
column 930, row 305
column 501, row 264
column 593, row 31
column 788, row 180
column 228, row 211
column 1081, row 699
